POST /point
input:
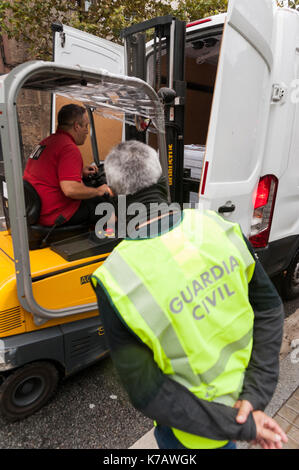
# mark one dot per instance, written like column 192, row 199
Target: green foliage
column 30, row 20
column 292, row 4
column 191, row 10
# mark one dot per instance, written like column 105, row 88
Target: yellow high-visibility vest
column 184, row 293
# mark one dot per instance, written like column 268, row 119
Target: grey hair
column 131, row 166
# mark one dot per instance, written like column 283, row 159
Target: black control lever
column 59, row 221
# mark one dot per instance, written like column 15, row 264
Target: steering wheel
column 96, row 179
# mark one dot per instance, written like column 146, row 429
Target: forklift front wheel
column 27, row 389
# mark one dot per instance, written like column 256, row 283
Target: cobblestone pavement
column 288, row 418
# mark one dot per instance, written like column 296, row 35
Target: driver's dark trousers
column 85, row 214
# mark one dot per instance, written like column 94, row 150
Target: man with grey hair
column 193, row 323
column 132, row 166
column 134, row 175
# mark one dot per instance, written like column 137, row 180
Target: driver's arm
column 70, row 169
column 78, row 190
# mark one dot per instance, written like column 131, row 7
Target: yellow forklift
column 49, row 323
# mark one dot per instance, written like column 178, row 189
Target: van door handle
column 228, row 207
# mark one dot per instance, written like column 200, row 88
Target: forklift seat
column 32, row 203
column 39, row 236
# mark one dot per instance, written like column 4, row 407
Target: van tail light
column 204, row 178
column 264, row 201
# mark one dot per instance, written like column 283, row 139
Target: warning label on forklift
column 170, row 163
column 85, row 279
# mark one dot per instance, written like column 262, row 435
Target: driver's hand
column 89, row 170
column 104, row 189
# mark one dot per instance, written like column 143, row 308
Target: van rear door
column 239, row 116
column 72, row 47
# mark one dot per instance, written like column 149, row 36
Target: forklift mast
column 168, row 51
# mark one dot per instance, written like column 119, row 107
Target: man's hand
column 269, row 434
column 245, row 407
column 104, row 189
column 89, row 170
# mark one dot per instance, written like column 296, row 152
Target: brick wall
column 33, row 107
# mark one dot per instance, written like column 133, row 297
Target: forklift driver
column 55, row 170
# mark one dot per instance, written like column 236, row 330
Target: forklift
column 50, row 326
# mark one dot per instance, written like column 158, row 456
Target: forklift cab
column 50, row 326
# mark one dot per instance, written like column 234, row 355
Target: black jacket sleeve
column 263, row 370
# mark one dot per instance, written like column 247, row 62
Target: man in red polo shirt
column 55, row 170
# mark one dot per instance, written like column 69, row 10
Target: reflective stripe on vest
column 144, row 279
column 224, row 357
column 154, row 316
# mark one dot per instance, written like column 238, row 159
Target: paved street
column 89, row 411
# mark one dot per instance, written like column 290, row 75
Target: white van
column 240, row 115
column 251, row 171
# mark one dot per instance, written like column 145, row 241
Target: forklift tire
column 290, row 280
column 27, row 389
